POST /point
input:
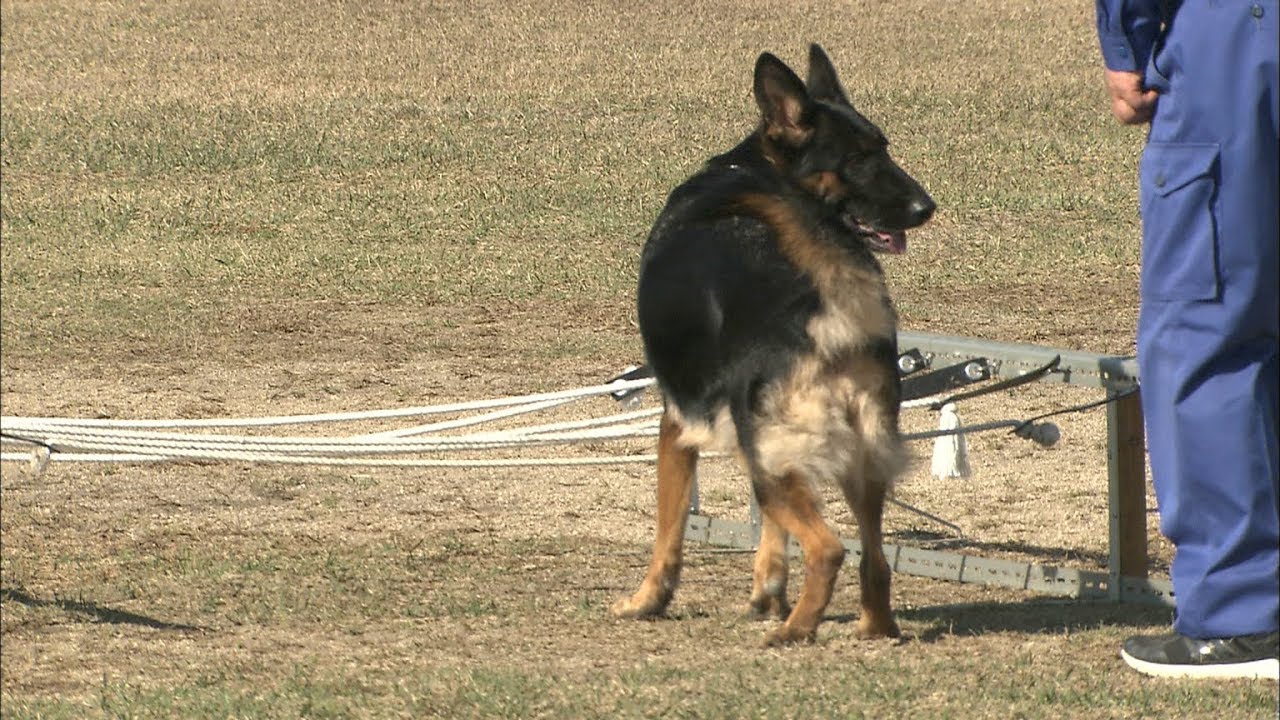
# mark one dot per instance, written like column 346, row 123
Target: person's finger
column 1124, row 112
column 1130, row 103
column 1133, row 107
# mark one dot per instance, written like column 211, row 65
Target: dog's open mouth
column 893, row 242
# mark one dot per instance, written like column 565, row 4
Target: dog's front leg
column 676, row 467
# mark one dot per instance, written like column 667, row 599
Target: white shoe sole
column 1268, row 669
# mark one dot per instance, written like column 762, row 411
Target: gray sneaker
column 1178, row 656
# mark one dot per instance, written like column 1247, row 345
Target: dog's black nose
column 921, row 209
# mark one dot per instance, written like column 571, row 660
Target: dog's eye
column 854, row 162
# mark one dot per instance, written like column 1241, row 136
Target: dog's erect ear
column 823, row 83
column 783, row 100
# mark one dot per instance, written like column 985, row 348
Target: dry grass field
column 260, row 207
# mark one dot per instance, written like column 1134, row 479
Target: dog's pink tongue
column 895, row 242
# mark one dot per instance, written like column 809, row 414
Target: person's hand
column 1130, row 103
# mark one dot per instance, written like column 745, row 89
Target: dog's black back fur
column 719, row 306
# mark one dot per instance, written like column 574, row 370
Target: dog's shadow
column 94, row 611
column 1036, row 616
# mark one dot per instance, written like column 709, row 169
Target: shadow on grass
column 1035, row 616
column 93, row 610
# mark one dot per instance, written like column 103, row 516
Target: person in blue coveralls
column 1203, row 73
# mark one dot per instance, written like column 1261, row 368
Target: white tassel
column 950, row 455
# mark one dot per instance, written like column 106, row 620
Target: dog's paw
column 768, row 607
column 788, row 635
column 872, row 629
column 634, row 608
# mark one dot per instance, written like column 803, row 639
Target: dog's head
column 812, row 134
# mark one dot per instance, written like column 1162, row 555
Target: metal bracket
column 632, row 373
column 913, row 361
column 1006, row 384
column 948, row 378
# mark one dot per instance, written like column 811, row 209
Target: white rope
column 526, row 431
column 467, row 422
column 613, row 387
column 142, row 441
column 594, row 422
column 349, row 462
column 99, row 440
column 921, row 402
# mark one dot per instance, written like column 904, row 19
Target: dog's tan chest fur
column 855, row 302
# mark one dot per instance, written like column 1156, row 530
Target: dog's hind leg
column 769, row 579
column 791, row 503
column 866, row 495
column 676, row 466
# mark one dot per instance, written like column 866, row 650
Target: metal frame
column 1126, row 579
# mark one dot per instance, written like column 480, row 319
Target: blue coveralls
column 1210, row 310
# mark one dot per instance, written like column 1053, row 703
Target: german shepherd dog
column 768, row 326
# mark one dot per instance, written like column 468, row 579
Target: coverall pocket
column 1178, row 191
